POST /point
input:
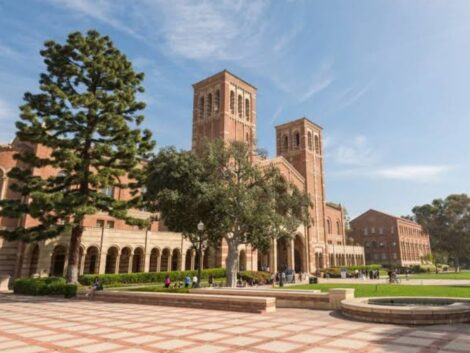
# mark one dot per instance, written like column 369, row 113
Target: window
column 328, row 226
column 240, row 106
column 381, row 244
column 376, row 256
column 309, row 140
column 232, row 102
column 285, row 142
column 392, row 229
column 247, row 137
column 367, row 244
column 372, row 230
column 384, row 256
column 394, row 256
column 100, row 223
column 297, row 139
column 374, row 244
column 366, row 231
column 247, row 109
column 338, row 228
column 109, row 224
column 201, row 107
column 317, row 144
column 381, row 230
column 209, row 104
column 217, row 101
column 108, row 191
column 339, row 243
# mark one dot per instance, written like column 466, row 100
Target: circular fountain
column 408, row 310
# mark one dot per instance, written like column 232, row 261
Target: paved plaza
column 30, row 325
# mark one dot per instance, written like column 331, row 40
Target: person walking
column 194, row 281
column 187, row 281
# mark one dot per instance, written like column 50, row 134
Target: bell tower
column 300, row 143
column 224, row 107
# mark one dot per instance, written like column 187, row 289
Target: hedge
column 149, row 277
column 255, row 277
column 44, row 286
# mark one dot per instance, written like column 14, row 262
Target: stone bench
column 191, row 300
column 305, row 299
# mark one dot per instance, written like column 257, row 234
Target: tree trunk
column 457, row 264
column 74, row 254
column 232, row 264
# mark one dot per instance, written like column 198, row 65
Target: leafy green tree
column 178, row 188
column 238, row 202
column 87, row 118
column 448, row 223
column 251, row 205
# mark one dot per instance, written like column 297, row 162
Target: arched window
column 247, row 109
column 201, row 107
column 297, row 139
column 240, row 106
column 285, row 143
column 209, row 104
column 328, row 226
column 309, row 140
column 247, row 137
column 217, row 101
column 317, row 144
column 338, row 228
column 232, row 102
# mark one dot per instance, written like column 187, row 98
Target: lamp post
column 200, row 228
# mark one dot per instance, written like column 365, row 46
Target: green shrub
column 255, row 277
column 335, row 272
column 70, row 290
column 41, row 286
column 149, row 277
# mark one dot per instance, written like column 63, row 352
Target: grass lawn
column 158, row 288
column 394, row 290
column 442, row 275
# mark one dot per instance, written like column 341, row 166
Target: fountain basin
column 408, row 310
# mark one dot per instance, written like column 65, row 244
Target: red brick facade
column 390, row 240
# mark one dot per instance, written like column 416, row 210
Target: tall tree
column 448, row 223
column 178, row 189
column 87, row 118
column 238, row 202
column 252, row 205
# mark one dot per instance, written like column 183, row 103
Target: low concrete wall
column 4, row 281
column 194, row 301
column 303, row 299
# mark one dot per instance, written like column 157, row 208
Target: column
column 82, row 263
column 182, row 262
column 290, row 254
column 273, row 257
column 116, row 265
column 147, row 262
column 193, row 259
column 159, row 262
column 131, row 262
column 102, row 264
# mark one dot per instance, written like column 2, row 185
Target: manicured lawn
column 394, row 290
column 442, row 275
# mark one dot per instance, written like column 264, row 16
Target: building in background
column 224, row 108
column 390, row 240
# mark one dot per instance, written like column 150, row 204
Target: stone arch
column 138, row 260
column 92, row 260
column 317, row 144
column 175, row 259
column 282, row 254
column 165, row 260
column 309, row 140
column 126, row 254
column 285, row 142
column 263, row 261
column 34, row 260
column 242, row 260
column 155, row 256
column 240, row 106
column 188, row 265
column 111, row 259
column 58, row 261
column 299, row 254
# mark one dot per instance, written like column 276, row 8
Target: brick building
column 390, row 240
column 224, row 107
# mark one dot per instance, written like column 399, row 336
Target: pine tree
column 88, row 119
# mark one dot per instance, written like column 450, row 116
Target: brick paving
column 41, row 325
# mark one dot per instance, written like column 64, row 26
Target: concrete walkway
column 403, row 280
column 45, row 325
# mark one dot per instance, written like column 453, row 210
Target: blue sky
column 387, row 80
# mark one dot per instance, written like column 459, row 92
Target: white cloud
column 316, row 87
column 423, row 173
column 354, row 152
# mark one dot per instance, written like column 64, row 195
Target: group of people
column 188, row 281
column 364, row 274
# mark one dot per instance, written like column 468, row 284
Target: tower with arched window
column 224, row 108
